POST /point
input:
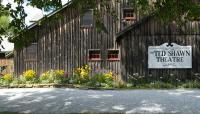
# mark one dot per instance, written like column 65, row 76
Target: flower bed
column 84, row 76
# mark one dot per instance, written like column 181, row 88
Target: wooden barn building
column 135, row 40
column 73, row 40
column 6, row 62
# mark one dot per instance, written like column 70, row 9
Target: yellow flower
column 109, row 75
column 59, row 72
column 83, row 71
column 8, row 77
column 29, row 75
column 45, row 75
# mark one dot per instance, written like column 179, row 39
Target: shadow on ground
column 113, row 101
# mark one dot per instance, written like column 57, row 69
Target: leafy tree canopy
column 166, row 10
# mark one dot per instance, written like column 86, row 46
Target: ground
column 51, row 100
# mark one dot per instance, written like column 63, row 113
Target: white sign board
column 165, row 56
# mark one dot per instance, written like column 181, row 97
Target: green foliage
column 102, row 80
column 6, row 79
column 178, row 11
column 46, row 5
column 81, row 75
column 29, row 77
column 169, row 10
column 4, row 22
column 92, row 78
column 96, row 80
column 16, row 81
column 53, row 76
column 136, row 79
column 1, row 81
column 191, row 84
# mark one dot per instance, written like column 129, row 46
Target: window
column 94, row 54
column 129, row 17
column 128, row 14
column 31, row 52
column 113, row 55
column 87, row 19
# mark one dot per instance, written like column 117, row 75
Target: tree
column 4, row 23
column 166, row 10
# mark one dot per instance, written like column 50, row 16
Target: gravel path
column 80, row 101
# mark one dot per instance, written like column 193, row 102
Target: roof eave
column 50, row 14
column 119, row 34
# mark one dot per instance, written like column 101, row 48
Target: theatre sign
column 169, row 56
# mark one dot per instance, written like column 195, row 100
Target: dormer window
column 87, row 19
column 129, row 17
column 128, row 14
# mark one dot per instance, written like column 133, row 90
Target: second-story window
column 129, row 17
column 87, row 19
column 128, row 14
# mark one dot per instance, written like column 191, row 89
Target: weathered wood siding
column 8, row 63
column 134, row 48
column 64, row 44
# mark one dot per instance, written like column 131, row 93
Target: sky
column 33, row 13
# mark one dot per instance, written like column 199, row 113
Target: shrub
column 57, row 76
column 44, row 78
column 28, row 76
column 136, row 79
column 8, row 78
column 191, row 84
column 101, row 78
column 59, row 73
column 1, row 81
column 81, row 75
column 96, row 80
column 53, row 76
column 16, row 81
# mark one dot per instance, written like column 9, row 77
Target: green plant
column 44, row 78
column 16, row 81
column 122, row 85
column 53, row 76
column 102, row 78
column 136, row 79
column 191, row 84
column 8, row 78
column 81, row 74
column 29, row 77
column 96, row 80
column 1, row 81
